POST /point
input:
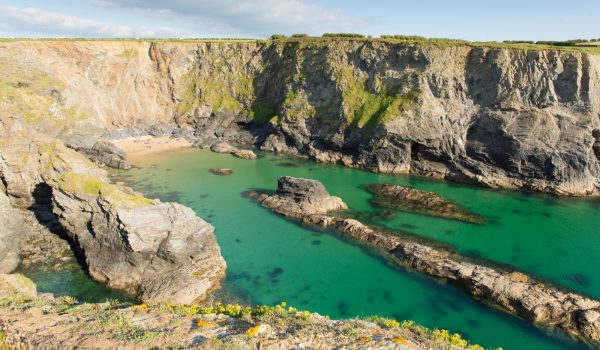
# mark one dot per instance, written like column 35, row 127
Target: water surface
column 271, row 259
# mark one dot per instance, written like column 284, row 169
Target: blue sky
column 464, row 19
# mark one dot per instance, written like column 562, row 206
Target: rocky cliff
column 151, row 250
column 498, row 117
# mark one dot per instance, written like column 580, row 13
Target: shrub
column 278, row 36
column 300, row 35
column 343, row 35
column 404, row 37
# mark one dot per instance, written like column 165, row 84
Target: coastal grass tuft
column 86, row 184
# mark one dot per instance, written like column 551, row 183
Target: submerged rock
column 297, row 197
column 221, row 171
column 511, row 290
column 418, row 201
column 224, row 147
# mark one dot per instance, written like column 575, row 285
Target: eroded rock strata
column 151, row 250
column 512, row 291
column 499, row 117
column 419, row 201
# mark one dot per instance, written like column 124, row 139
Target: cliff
column 499, row 117
column 30, row 320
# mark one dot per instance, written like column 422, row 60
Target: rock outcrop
column 499, row 117
column 512, row 291
column 12, row 234
column 151, row 250
column 297, row 197
column 104, row 152
column 418, row 201
column 31, row 321
column 224, row 147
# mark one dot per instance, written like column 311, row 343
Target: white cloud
column 244, row 17
column 36, row 20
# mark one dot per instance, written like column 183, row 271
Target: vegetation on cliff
column 45, row 321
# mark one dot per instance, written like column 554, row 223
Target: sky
column 461, row 19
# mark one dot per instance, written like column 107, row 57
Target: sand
column 136, row 147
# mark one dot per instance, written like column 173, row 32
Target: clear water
column 271, row 259
column 70, row 279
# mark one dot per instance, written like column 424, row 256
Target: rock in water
column 224, row 147
column 297, row 197
column 511, row 290
column 418, row 201
column 221, row 171
column 154, row 251
column 151, row 250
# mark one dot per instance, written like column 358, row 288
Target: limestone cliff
column 495, row 116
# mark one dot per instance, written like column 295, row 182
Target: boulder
column 106, row 153
column 418, row 201
column 224, row 147
column 297, row 197
column 221, row 171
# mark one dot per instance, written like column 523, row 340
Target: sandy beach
column 136, row 147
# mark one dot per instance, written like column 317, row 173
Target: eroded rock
column 297, row 197
column 221, row 171
column 224, row 147
column 511, row 290
column 151, row 250
column 418, row 201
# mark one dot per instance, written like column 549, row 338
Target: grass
column 89, row 185
column 405, row 39
column 365, row 108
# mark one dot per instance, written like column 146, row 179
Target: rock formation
column 418, row 201
column 512, row 291
column 499, row 117
column 298, row 197
column 105, row 153
column 12, row 234
column 151, row 250
column 224, row 147
column 221, row 171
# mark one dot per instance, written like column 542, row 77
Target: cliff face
column 498, row 117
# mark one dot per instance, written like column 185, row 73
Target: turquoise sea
column 271, row 259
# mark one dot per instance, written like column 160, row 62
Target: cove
column 271, row 259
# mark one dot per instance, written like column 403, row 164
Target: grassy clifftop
column 591, row 46
column 43, row 321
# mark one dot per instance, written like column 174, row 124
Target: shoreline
column 138, row 147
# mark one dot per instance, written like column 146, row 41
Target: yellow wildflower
column 365, row 339
column 400, row 340
column 252, row 331
column 207, row 324
column 142, row 307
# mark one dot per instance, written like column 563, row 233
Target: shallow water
column 70, row 279
column 271, row 259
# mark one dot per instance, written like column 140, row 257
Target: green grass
column 396, row 39
column 365, row 108
column 89, row 185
